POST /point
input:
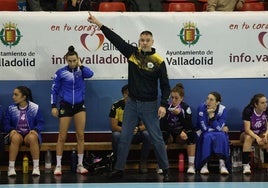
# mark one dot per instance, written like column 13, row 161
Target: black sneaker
column 116, row 174
column 143, row 167
column 166, row 175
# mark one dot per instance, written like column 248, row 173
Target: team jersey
column 117, row 111
column 31, row 118
column 69, row 85
column 177, row 123
column 258, row 122
column 204, row 123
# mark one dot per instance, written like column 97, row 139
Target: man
column 225, row 5
column 145, row 69
column 140, row 134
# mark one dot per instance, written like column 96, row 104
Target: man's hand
column 161, row 112
column 94, row 20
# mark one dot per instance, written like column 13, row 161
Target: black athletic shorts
column 69, row 110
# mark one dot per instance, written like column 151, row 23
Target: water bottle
column 111, row 161
column 261, row 156
column 25, row 164
column 239, row 160
column 48, row 161
column 22, row 5
column 73, row 160
column 235, row 161
column 181, row 162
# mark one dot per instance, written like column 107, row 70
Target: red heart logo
column 92, row 43
column 261, row 38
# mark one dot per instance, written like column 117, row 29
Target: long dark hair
column 216, row 95
column 25, row 91
column 255, row 100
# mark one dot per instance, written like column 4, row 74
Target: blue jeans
column 141, row 137
column 146, row 112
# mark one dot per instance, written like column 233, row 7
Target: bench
column 105, row 146
column 91, row 146
column 68, row 146
column 102, row 142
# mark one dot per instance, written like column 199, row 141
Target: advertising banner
column 193, row 45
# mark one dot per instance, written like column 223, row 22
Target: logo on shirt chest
column 23, row 117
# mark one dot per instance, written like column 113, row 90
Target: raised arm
column 125, row 48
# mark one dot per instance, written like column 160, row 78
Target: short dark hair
column 179, row 89
column 124, row 89
column 146, row 33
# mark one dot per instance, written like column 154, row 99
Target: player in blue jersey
column 212, row 137
column 69, row 87
column 23, row 122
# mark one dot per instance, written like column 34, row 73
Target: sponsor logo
column 261, row 38
column 92, row 42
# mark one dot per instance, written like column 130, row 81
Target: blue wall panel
column 236, row 93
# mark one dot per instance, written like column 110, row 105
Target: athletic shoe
column 204, row 170
column 191, row 170
column 116, row 174
column 166, row 175
column 159, row 170
column 57, row 171
column 81, row 170
column 246, row 169
column 36, row 171
column 223, row 170
column 11, row 171
column 143, row 167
